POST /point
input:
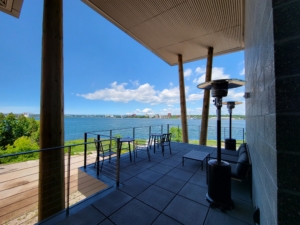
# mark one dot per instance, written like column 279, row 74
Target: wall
column 272, row 56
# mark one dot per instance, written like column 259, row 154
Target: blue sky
column 105, row 70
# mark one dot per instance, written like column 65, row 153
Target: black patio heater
column 219, row 172
column 230, row 143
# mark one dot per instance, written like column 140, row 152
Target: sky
column 105, row 70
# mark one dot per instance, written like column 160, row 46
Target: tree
column 13, row 127
column 176, row 134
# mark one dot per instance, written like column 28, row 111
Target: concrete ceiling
column 172, row 27
column 11, row 7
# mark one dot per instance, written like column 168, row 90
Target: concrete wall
column 272, row 64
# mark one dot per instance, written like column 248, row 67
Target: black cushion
column 242, row 149
column 242, row 165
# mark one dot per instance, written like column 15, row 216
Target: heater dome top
column 231, row 103
column 229, row 83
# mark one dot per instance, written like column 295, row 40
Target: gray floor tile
column 186, row 211
column 112, row 202
column 191, row 165
column 135, row 212
column 88, row 215
column 242, row 211
column 106, row 222
column 161, row 168
column 134, row 186
column 133, row 170
column 170, row 183
column 180, row 174
column 195, row 193
column 146, row 164
column 241, row 190
column 198, row 179
column 165, row 220
column 124, row 177
column 156, row 197
column 149, row 176
column 216, row 217
column 171, row 162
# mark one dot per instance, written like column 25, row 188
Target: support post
column 185, row 138
column 51, row 166
column 206, row 97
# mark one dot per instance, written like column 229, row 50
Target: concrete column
column 185, row 138
column 206, row 97
column 51, row 166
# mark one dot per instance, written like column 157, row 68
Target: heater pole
column 230, row 117
column 218, row 103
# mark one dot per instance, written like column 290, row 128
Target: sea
column 75, row 127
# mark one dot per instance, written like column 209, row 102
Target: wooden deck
column 19, row 186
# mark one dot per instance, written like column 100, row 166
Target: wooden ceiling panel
column 186, row 27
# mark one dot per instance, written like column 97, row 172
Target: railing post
column 178, row 133
column 68, row 182
column 85, row 149
column 98, row 153
column 118, row 162
column 133, row 132
column 168, row 126
column 110, row 134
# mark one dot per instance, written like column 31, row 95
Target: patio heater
column 230, row 143
column 219, row 172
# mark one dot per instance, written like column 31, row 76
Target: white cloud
column 217, row 73
column 200, row 70
column 144, row 93
column 147, row 110
column 135, row 82
column 242, row 73
column 194, row 97
column 187, row 72
column 235, row 96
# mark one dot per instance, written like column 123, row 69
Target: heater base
column 230, row 144
column 219, row 184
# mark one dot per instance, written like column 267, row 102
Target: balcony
column 161, row 191
column 156, row 188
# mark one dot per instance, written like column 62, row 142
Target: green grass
column 91, row 148
column 214, row 142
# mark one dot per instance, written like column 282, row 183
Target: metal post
column 133, row 132
column 68, row 182
column 168, row 128
column 118, row 162
column 230, row 117
column 98, row 153
column 218, row 103
column 85, row 149
column 110, row 135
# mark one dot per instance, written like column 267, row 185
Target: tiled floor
column 163, row 192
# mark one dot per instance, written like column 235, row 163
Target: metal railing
column 19, row 172
column 19, row 182
column 193, row 132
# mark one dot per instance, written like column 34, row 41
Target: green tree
column 13, row 127
column 176, row 134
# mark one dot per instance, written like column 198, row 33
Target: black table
column 128, row 140
column 155, row 137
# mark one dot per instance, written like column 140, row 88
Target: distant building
column 169, row 115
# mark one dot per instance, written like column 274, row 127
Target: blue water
column 76, row 127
